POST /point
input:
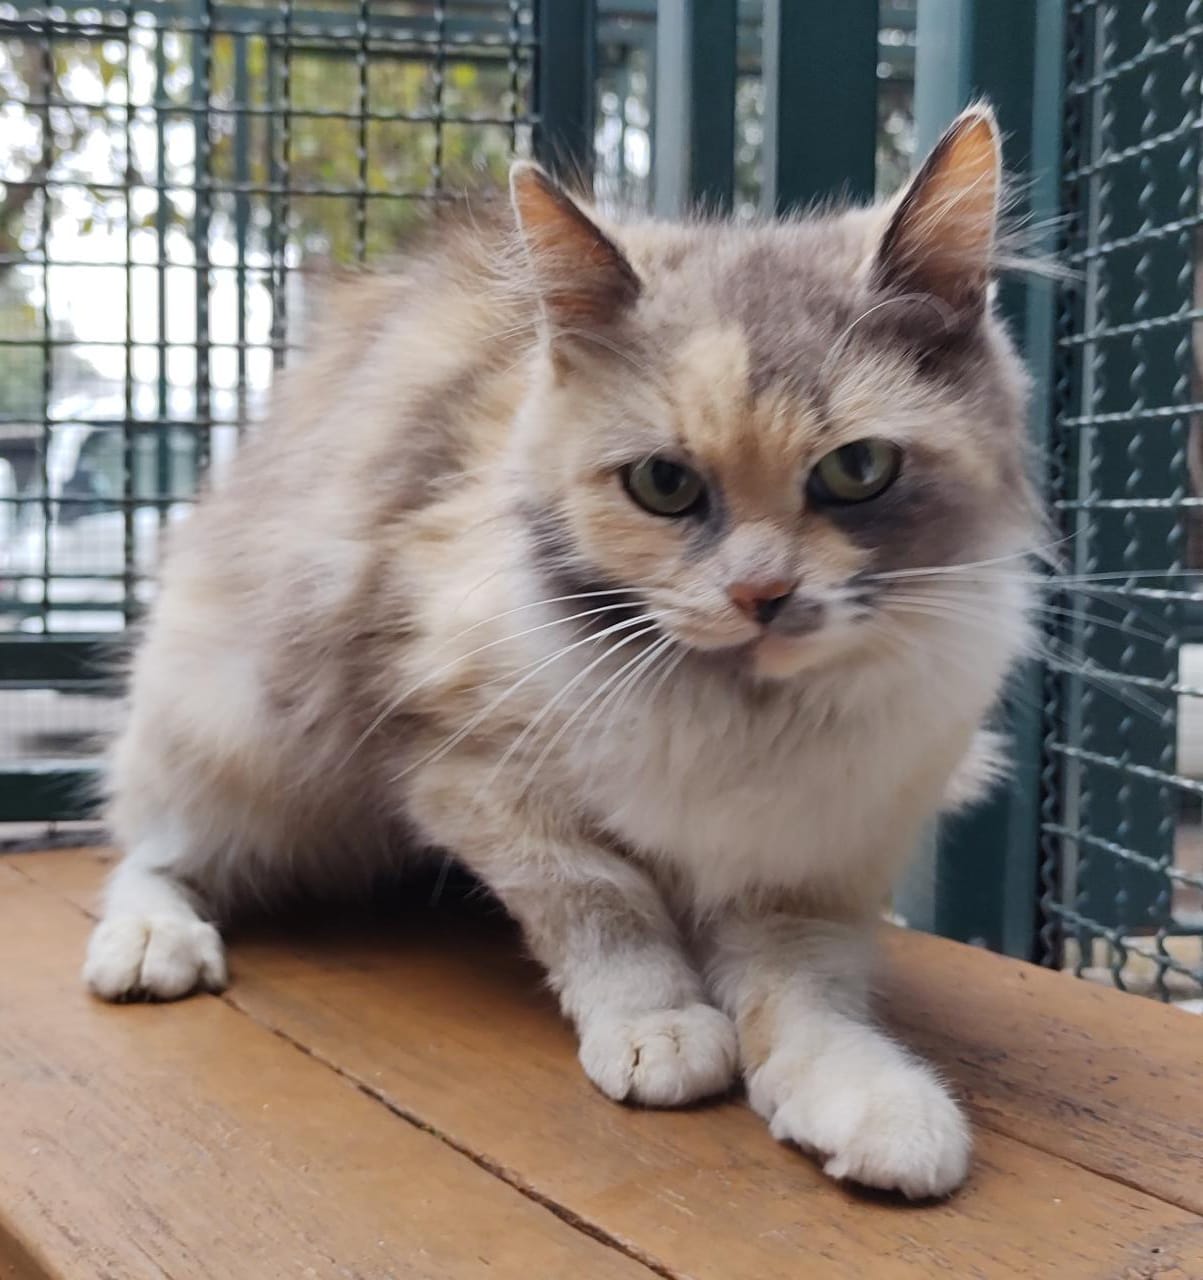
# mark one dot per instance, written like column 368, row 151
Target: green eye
column 855, row 473
column 665, row 488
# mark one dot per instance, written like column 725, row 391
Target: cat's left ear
column 941, row 239
column 585, row 282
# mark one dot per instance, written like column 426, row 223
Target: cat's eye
column 855, row 472
column 665, row 488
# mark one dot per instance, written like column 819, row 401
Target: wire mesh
column 170, row 176
column 1122, row 845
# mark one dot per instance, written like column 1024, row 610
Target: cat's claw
column 154, row 958
column 665, row 1058
column 901, row 1131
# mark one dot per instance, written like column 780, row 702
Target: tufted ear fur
column 940, row 241
column 585, row 283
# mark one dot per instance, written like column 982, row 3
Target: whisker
column 396, row 703
column 456, row 738
column 1122, row 626
column 946, row 314
column 548, row 707
column 666, row 674
column 937, row 570
column 598, row 692
column 1054, row 612
column 1037, row 577
column 536, row 604
column 1087, row 668
column 622, row 695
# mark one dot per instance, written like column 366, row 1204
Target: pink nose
column 763, row 600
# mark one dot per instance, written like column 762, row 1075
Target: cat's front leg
column 817, row 1067
column 600, row 928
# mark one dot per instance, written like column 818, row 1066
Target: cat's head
column 763, row 432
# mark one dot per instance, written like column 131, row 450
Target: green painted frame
column 980, row 879
column 563, row 113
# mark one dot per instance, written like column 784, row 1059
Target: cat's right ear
column 584, row 281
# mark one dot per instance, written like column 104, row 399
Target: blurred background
column 175, row 177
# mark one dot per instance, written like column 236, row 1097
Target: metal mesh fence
column 169, row 173
column 1122, row 850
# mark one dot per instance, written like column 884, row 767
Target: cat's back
column 407, row 381
column 279, row 598
column 386, row 393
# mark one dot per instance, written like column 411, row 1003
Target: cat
column 612, row 558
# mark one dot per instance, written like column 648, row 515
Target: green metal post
column 943, row 59
column 985, row 868
column 564, row 88
column 695, row 106
column 1124, row 455
column 820, row 101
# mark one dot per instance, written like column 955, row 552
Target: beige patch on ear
column 583, row 277
column 941, row 238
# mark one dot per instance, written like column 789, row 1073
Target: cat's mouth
column 770, row 652
column 766, row 654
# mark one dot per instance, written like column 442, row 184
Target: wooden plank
column 74, row 874
column 454, row 1029
column 188, row 1141
column 1110, row 1081
column 442, row 1017
column 1085, row 1072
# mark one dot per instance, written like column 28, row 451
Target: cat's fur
column 382, row 635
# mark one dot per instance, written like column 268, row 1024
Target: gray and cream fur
column 443, row 607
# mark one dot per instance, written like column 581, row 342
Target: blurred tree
column 310, row 158
column 281, row 116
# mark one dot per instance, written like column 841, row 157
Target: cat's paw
column 661, row 1059
column 153, row 958
column 895, row 1128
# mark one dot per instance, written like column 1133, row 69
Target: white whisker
column 396, row 703
column 548, row 707
column 1086, row 667
column 598, row 692
column 456, row 738
column 622, row 694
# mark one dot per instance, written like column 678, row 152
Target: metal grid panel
column 168, row 170
column 1122, row 844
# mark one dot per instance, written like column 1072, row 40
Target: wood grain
column 455, row 1031
column 186, row 1141
column 1111, row 1081
column 437, row 1015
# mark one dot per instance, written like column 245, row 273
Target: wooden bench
column 397, row 1097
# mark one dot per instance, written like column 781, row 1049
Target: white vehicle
column 8, row 506
column 71, row 562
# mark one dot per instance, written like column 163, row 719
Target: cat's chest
column 737, row 797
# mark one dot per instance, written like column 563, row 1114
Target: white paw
column 153, row 958
column 893, row 1127
column 661, row 1059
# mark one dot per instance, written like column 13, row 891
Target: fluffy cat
column 597, row 555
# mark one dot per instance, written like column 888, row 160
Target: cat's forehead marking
column 754, row 445
column 711, row 371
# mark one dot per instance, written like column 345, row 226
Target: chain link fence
column 173, row 175
column 1122, row 776
column 172, row 178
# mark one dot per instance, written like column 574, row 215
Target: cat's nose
column 761, row 601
